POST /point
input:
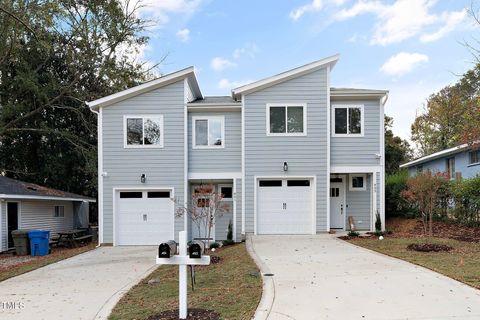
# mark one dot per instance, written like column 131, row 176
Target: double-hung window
column 144, row 131
column 451, row 167
column 347, row 120
column 208, row 132
column 286, row 119
column 474, row 157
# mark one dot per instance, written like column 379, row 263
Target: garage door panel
column 145, row 220
column 285, row 209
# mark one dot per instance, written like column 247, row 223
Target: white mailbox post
column 182, row 259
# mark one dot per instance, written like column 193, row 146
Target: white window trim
column 287, row 134
column 143, row 117
column 55, row 213
column 362, row 120
column 350, row 182
column 208, row 118
column 220, row 186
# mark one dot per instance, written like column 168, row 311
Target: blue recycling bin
column 39, row 242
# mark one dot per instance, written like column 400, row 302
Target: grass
column 38, row 262
column 462, row 263
column 227, row 288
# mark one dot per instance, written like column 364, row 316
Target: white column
column 182, row 283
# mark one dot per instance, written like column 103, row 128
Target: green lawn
column 227, row 288
column 38, row 262
column 462, row 263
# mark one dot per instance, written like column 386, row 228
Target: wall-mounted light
column 143, row 178
column 285, row 166
column 104, row 174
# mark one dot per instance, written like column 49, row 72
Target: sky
column 412, row 48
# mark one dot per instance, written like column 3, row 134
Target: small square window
column 59, row 212
column 227, row 192
column 208, row 132
column 358, row 182
column 474, row 157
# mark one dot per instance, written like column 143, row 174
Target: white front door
column 284, row 206
column 143, row 217
column 337, row 203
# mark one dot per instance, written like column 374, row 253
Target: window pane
column 474, row 157
column 215, row 132
column 127, row 195
column 295, row 119
column 134, row 131
column 227, row 192
column 277, row 120
column 270, row 183
column 152, row 131
column 355, row 121
column 340, row 120
column 357, row 182
column 201, row 132
column 298, row 183
column 158, row 194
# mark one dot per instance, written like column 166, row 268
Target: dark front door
column 12, row 210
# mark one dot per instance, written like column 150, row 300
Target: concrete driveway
column 86, row 286
column 321, row 277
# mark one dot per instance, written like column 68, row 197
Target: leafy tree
column 55, row 55
column 397, row 150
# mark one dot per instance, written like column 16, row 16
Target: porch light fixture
column 143, row 178
column 285, row 166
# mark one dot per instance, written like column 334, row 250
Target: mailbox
column 167, row 249
column 195, row 250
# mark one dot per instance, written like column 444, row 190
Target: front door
column 12, row 211
column 199, row 220
column 337, row 203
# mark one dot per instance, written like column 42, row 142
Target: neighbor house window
column 208, row 132
column 419, row 169
column 358, row 182
column 59, row 212
column 347, row 120
column 286, row 120
column 474, row 157
column 451, row 167
column 144, row 131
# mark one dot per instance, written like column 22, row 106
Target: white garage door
column 143, row 217
column 284, row 206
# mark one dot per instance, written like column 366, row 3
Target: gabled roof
column 436, row 155
column 284, row 76
column 16, row 189
column 353, row 92
column 188, row 73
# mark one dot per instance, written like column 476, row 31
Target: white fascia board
column 148, row 86
column 287, row 75
column 353, row 93
column 26, row 197
column 355, row 169
column 435, row 155
column 214, row 175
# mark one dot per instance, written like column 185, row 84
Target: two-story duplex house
column 458, row 162
column 290, row 154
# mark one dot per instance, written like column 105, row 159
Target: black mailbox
column 195, row 250
column 167, row 249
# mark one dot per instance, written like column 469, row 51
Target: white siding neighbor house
column 26, row 205
column 291, row 154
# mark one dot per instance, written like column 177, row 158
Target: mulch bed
column 402, row 228
column 429, row 247
column 193, row 314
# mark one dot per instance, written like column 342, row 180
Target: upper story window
column 208, row 132
column 144, row 131
column 451, row 167
column 59, row 212
column 286, row 119
column 347, row 120
column 474, row 157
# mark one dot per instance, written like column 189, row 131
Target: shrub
column 228, row 242
column 395, row 204
column 466, row 201
column 214, row 245
column 352, row 233
column 378, row 222
column 230, row 231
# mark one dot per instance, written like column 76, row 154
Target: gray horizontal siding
column 306, row 155
column 40, row 215
column 227, row 159
column 3, row 226
column 238, row 197
column 221, row 223
column 359, row 151
column 359, row 205
column 163, row 167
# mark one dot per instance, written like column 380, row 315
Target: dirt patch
column 429, row 247
column 413, row 228
column 193, row 314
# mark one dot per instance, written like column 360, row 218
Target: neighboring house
column 29, row 206
column 459, row 162
column 291, row 154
